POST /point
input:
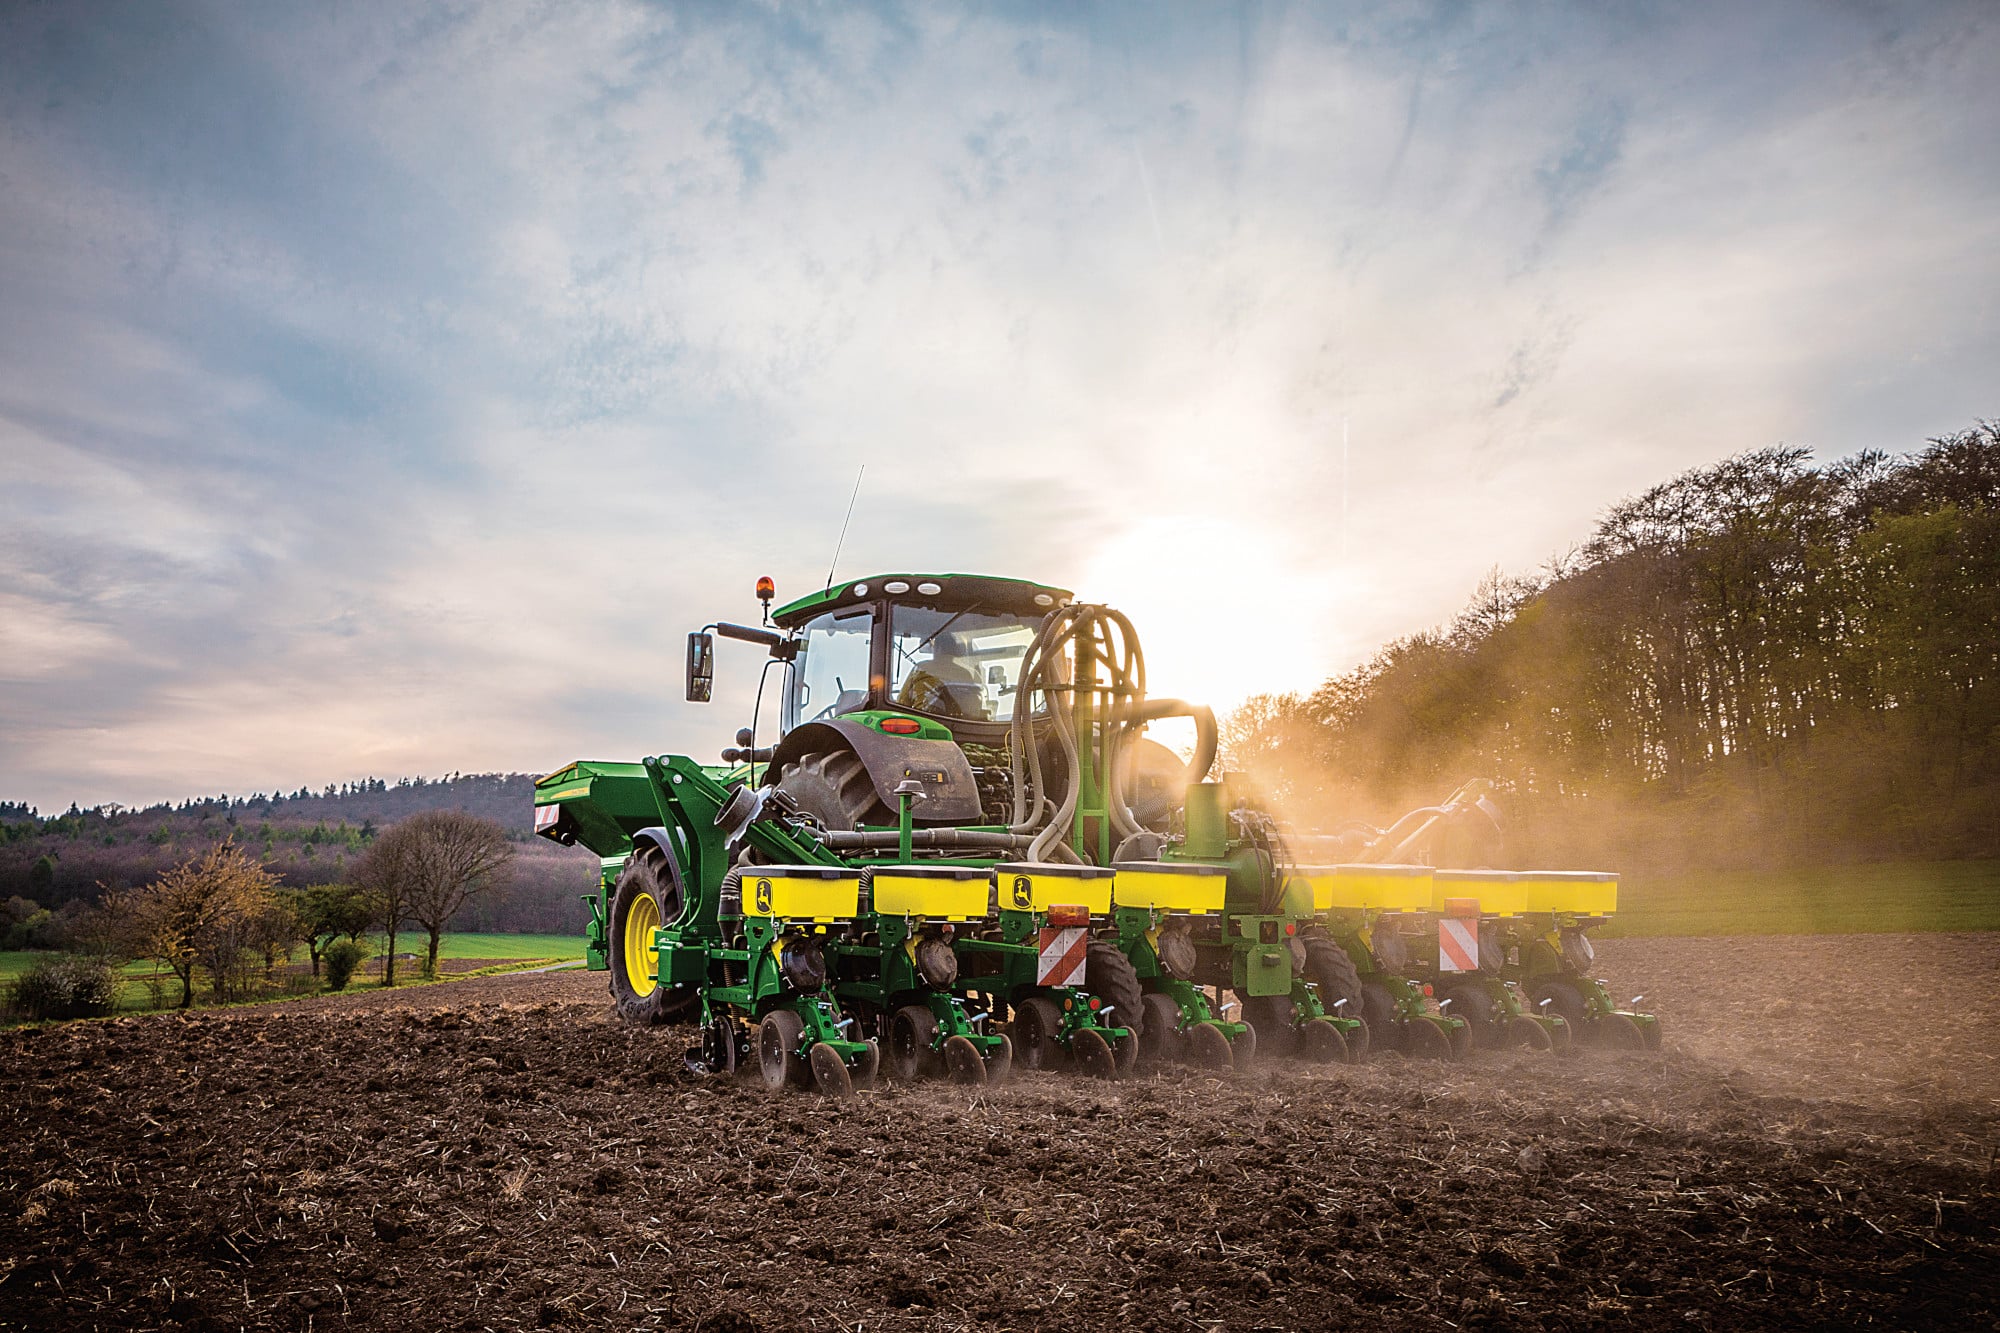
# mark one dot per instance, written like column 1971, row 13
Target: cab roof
column 946, row 590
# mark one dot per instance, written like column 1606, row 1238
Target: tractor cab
column 945, row 646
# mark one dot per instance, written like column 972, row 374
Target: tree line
column 221, row 919
column 1761, row 662
column 58, row 865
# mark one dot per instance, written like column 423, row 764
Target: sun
column 1213, row 601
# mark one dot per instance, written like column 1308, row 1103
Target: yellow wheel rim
column 642, row 958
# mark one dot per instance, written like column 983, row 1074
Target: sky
column 388, row 388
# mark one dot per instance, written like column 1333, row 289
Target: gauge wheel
column 913, row 1044
column 1000, row 1061
column 1424, row 1039
column 1529, row 1035
column 1161, row 1040
column 1037, row 1023
column 778, row 1058
column 867, row 1066
column 1270, row 1017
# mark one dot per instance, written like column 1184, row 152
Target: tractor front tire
column 644, row 898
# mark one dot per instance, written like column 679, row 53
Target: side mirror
column 701, row 667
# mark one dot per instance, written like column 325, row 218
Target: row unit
column 970, row 893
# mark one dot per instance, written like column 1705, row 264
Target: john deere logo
column 762, row 897
column 1024, row 892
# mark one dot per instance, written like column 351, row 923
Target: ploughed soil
column 1815, row 1147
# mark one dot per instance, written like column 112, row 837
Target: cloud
column 390, row 388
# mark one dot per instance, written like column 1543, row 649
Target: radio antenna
column 843, row 524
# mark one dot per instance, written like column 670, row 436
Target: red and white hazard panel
column 1458, row 944
column 1063, row 951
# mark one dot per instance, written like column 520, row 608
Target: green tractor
column 813, row 902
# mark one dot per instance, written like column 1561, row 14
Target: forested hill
column 307, row 837
column 1763, row 662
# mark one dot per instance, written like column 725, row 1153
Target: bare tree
column 200, row 913
column 431, row 865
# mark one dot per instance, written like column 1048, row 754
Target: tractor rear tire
column 778, row 1057
column 1161, row 1042
column 913, row 1050
column 644, row 898
column 1037, row 1022
column 1270, row 1017
column 1109, row 975
column 833, row 787
column 1329, row 967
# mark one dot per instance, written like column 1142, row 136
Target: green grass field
column 555, row 947
column 1915, row 897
